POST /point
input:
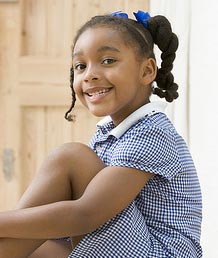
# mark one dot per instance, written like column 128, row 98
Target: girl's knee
column 73, row 149
column 78, row 153
column 82, row 166
column 73, row 163
column 69, row 153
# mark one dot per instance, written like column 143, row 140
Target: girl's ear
column 149, row 71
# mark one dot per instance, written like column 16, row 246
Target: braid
column 69, row 116
column 167, row 42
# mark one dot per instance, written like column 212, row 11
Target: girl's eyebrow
column 79, row 53
column 100, row 49
column 107, row 48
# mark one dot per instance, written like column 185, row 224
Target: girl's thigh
column 64, row 175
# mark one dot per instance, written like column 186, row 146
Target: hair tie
column 140, row 16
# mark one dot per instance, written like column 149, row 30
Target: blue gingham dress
column 164, row 220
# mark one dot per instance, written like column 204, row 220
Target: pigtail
column 69, row 116
column 167, row 42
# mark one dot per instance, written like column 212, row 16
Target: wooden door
column 35, row 51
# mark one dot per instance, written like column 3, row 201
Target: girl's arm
column 109, row 192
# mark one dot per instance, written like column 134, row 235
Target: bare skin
column 38, row 193
column 59, row 189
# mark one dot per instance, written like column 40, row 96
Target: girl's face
column 108, row 78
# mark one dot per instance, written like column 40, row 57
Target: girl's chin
column 99, row 113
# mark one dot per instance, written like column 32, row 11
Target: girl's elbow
column 86, row 220
column 90, row 222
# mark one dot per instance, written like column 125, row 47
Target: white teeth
column 94, row 94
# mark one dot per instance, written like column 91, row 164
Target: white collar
column 148, row 109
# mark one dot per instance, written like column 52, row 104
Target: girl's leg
column 63, row 176
column 53, row 249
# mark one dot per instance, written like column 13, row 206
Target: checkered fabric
column 165, row 218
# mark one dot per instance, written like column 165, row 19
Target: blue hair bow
column 140, row 16
column 119, row 14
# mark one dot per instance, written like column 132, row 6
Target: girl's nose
column 91, row 75
column 90, row 78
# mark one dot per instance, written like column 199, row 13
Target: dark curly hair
column 142, row 39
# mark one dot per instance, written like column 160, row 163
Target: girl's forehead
column 99, row 35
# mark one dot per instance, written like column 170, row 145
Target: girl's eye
column 108, row 61
column 79, row 67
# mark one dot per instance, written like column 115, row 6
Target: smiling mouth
column 97, row 93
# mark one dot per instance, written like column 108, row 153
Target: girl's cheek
column 78, row 90
column 76, row 86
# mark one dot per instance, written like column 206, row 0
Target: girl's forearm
column 43, row 222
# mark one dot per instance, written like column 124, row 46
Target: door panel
column 35, row 59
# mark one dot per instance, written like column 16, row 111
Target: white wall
column 195, row 114
column 204, row 113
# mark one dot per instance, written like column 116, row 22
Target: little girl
column 134, row 191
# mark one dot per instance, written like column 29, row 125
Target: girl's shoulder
column 152, row 124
